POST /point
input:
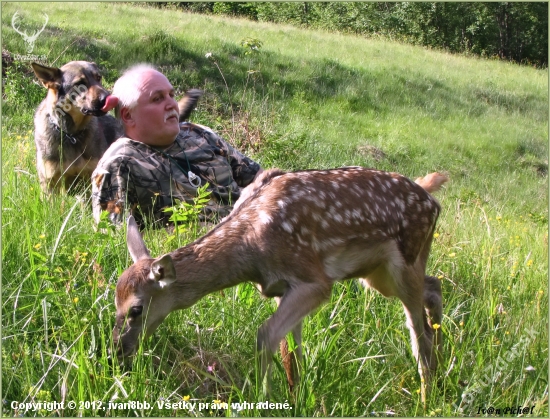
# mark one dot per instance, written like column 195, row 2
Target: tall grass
column 306, row 99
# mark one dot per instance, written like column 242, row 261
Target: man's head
column 147, row 107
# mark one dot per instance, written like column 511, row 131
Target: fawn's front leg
column 297, row 303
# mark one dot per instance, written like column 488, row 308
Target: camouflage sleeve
column 244, row 168
column 109, row 192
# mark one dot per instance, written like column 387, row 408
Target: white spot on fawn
column 287, row 226
column 265, row 218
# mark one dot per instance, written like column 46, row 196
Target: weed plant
column 293, row 99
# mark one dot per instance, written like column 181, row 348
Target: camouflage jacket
column 133, row 175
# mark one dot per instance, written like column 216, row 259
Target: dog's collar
column 62, row 133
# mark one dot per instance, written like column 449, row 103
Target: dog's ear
column 188, row 103
column 50, row 77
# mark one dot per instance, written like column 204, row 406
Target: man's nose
column 172, row 103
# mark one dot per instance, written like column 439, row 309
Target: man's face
column 154, row 120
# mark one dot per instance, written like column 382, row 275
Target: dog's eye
column 98, row 77
column 135, row 311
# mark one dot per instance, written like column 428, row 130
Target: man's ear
column 126, row 116
column 163, row 271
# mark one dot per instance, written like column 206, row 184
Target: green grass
column 307, row 99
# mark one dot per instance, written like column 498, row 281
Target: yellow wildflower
column 452, row 255
column 38, row 246
column 42, row 236
column 75, row 300
column 436, row 326
column 436, row 235
column 186, row 398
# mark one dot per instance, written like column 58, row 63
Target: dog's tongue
column 110, row 103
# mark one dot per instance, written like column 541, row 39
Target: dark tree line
column 510, row 31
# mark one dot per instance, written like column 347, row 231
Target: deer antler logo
column 29, row 39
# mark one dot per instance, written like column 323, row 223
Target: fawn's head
column 142, row 301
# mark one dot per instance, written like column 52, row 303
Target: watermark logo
column 491, row 374
column 71, row 99
column 29, row 39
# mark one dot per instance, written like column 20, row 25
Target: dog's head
column 74, row 89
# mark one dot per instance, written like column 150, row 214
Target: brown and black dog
column 71, row 127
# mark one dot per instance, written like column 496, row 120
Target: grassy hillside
column 303, row 99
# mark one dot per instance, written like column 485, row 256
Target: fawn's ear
column 135, row 243
column 163, row 271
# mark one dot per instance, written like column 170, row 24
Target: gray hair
column 128, row 87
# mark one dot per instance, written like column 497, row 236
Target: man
column 159, row 161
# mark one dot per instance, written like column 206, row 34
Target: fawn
column 294, row 234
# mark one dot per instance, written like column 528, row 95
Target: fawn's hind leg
column 411, row 295
column 433, row 303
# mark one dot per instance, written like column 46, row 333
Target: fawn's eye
column 135, row 311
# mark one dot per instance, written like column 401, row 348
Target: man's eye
column 135, row 311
